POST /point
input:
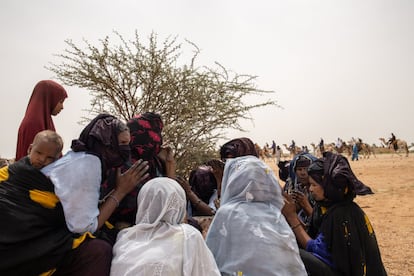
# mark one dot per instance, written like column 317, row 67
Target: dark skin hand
column 125, row 183
column 302, row 200
column 289, row 211
column 167, row 156
column 200, row 205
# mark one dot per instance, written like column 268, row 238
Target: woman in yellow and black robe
column 34, row 239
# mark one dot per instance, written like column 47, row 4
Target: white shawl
column 249, row 235
column 159, row 244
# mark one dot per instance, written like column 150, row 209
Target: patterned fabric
column 100, row 137
column 250, row 218
column 146, row 141
column 33, row 234
column 77, row 179
column 45, row 96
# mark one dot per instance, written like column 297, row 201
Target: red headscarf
column 45, row 96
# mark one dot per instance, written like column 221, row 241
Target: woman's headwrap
column 346, row 229
column 146, row 139
column 203, row 182
column 238, row 147
column 161, row 201
column 45, row 97
column 100, row 137
column 300, row 160
column 334, row 174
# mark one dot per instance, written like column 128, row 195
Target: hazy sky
column 339, row 68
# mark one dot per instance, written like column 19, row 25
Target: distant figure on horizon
column 273, row 147
column 354, row 152
column 339, row 143
column 46, row 101
column 278, row 154
column 321, row 146
column 292, row 145
column 392, row 141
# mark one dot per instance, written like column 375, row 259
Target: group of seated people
column 113, row 205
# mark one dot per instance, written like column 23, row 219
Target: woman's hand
column 184, row 183
column 289, row 209
column 302, row 200
column 166, row 155
column 127, row 181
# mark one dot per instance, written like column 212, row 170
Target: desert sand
column 390, row 208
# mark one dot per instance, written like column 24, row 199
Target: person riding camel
column 322, row 145
column 392, row 141
column 292, row 145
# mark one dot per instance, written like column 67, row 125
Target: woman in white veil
column 249, row 236
column 160, row 243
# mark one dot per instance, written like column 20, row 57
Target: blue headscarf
column 293, row 164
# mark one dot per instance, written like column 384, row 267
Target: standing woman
column 46, row 101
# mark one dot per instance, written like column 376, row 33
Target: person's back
column 46, row 101
column 249, row 218
column 159, row 243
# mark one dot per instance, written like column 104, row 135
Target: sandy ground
column 391, row 208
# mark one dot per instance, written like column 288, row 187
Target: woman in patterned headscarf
column 46, row 101
column 146, row 144
column 345, row 242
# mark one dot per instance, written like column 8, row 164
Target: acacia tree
column 197, row 104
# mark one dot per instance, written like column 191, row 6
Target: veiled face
column 124, row 138
column 117, row 157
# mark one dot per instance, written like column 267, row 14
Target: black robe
column 33, row 233
column 352, row 241
column 348, row 232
